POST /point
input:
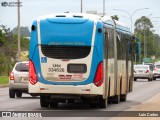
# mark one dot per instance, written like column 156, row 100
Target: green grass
column 3, row 81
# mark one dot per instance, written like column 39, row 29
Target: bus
column 80, row 57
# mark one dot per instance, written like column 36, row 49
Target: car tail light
column 98, row 79
column 155, row 68
column 32, row 73
column 147, row 71
column 11, row 76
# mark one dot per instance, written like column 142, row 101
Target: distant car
column 156, row 71
column 18, row 80
column 143, row 72
column 151, row 64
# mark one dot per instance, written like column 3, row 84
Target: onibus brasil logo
column 11, row 4
column 4, row 4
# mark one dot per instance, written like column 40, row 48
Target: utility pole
column 81, row 6
column 19, row 46
column 103, row 7
column 144, row 43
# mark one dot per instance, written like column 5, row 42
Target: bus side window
column 118, row 37
column 129, row 48
column 136, row 48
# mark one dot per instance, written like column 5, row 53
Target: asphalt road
column 142, row 91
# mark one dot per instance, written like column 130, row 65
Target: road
column 142, row 91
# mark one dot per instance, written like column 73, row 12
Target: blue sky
column 33, row 8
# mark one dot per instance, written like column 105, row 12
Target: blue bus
column 80, row 57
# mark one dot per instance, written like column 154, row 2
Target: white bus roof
column 106, row 19
column 80, row 15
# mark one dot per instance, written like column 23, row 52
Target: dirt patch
column 3, row 85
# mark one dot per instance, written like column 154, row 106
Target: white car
column 156, row 71
column 18, row 80
column 143, row 72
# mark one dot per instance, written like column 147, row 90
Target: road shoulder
column 150, row 105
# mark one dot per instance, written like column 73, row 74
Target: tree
column 142, row 24
column 23, row 30
column 115, row 17
column 8, row 48
column 144, row 31
column 3, row 66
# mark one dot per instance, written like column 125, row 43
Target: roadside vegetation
column 8, row 50
column 9, row 47
column 4, row 81
column 149, row 40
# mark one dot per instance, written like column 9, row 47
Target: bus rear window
column 65, row 52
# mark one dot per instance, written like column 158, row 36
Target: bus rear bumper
column 40, row 88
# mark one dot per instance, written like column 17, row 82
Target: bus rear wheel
column 116, row 99
column 54, row 104
column 123, row 97
column 93, row 104
column 149, row 79
column 43, row 101
column 103, row 103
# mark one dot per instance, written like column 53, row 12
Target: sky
column 31, row 9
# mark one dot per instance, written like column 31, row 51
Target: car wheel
column 149, row 79
column 154, row 78
column 11, row 93
column 135, row 79
column 19, row 94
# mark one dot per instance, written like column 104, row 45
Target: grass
column 4, row 81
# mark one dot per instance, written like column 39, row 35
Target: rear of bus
column 66, row 58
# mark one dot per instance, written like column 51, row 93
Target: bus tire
column 149, row 79
column 123, row 97
column 116, row 99
column 70, row 101
column 43, row 101
column 103, row 103
column 54, row 104
column 93, row 104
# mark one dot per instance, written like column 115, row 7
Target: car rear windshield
column 158, row 66
column 141, row 67
column 22, row 67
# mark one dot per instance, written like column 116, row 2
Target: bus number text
column 55, row 69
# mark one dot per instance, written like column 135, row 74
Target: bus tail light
column 32, row 73
column 98, row 79
column 11, row 76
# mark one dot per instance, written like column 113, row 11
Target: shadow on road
column 85, row 106
column 146, row 80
